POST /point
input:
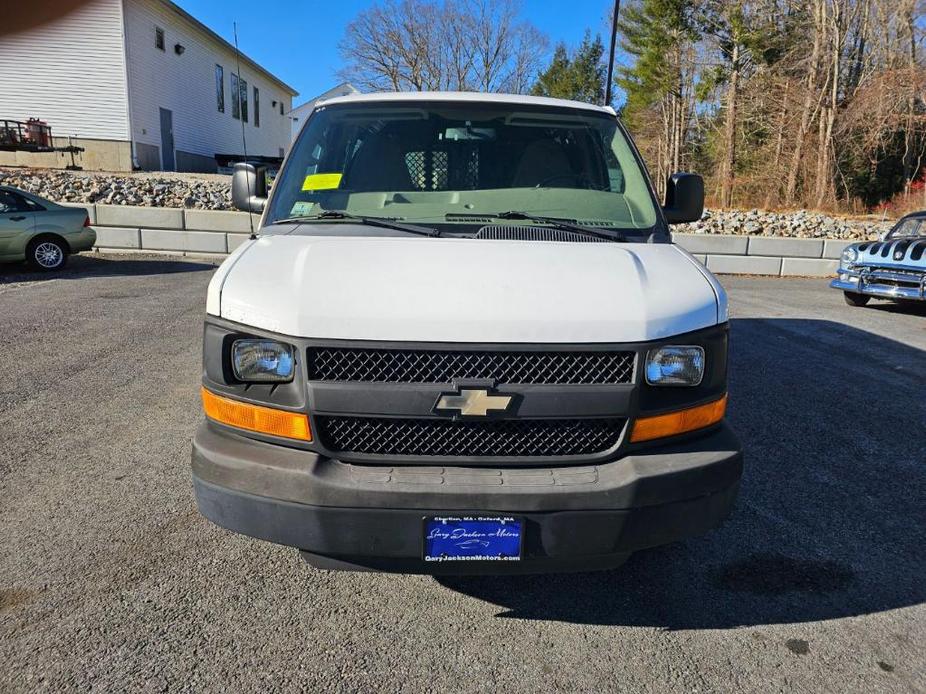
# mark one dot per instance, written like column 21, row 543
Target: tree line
column 777, row 103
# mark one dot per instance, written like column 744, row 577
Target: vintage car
column 892, row 268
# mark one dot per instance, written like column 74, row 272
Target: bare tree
column 530, row 48
column 811, row 100
column 428, row 45
column 726, row 25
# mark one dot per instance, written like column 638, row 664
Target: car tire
column 856, row 299
column 47, row 254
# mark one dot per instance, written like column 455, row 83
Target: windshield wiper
column 559, row 223
column 362, row 219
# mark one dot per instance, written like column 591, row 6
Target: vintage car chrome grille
column 444, row 366
column 893, row 277
column 459, row 438
column 889, row 275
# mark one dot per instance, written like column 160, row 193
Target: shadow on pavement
column 86, row 265
column 830, row 520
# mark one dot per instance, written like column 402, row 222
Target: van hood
column 414, row 289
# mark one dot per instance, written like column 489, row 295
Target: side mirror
column 684, row 198
column 249, row 187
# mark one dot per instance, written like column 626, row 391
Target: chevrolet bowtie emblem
column 473, row 402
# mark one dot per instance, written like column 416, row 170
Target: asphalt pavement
column 111, row 581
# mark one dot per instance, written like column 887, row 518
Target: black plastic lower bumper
column 349, row 516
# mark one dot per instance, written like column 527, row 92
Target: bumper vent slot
column 443, row 366
column 453, row 438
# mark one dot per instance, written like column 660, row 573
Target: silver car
column 892, row 268
column 39, row 231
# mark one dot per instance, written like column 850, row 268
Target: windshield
column 907, row 228
column 456, row 162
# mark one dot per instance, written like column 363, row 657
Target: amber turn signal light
column 263, row 420
column 680, row 422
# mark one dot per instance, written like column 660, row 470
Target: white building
column 299, row 114
column 140, row 83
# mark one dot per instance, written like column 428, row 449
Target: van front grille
column 498, row 438
column 445, row 366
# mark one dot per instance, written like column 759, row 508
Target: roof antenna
column 607, row 89
column 244, row 139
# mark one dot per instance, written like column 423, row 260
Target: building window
column 235, row 97
column 159, row 38
column 281, row 108
column 256, row 107
column 220, row 88
column 243, row 92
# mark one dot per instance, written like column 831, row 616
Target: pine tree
column 660, row 37
column 653, row 32
column 554, row 80
column 581, row 77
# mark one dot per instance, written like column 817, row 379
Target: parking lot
column 110, row 580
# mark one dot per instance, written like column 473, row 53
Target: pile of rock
column 204, row 192
column 800, row 224
column 213, row 192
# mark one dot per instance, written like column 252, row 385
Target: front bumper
column 370, row 516
column 882, row 282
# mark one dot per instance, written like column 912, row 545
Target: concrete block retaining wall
column 143, row 217
column 120, row 227
column 126, row 228
column 764, row 255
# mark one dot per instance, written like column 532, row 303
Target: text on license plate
column 472, row 538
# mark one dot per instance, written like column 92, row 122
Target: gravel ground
column 110, row 580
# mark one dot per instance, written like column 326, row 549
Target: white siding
column 185, row 85
column 70, row 73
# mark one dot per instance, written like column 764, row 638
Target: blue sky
column 297, row 40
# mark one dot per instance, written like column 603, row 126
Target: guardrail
column 202, row 232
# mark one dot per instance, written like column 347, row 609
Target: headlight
column 675, row 366
column 262, row 361
column 849, row 255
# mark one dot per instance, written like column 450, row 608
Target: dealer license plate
column 472, row 538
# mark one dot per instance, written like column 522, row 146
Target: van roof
column 484, row 97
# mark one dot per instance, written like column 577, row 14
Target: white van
column 463, row 342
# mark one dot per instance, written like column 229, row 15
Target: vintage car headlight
column 675, row 365
column 262, row 361
column 849, row 255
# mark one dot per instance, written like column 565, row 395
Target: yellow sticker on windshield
column 321, row 181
